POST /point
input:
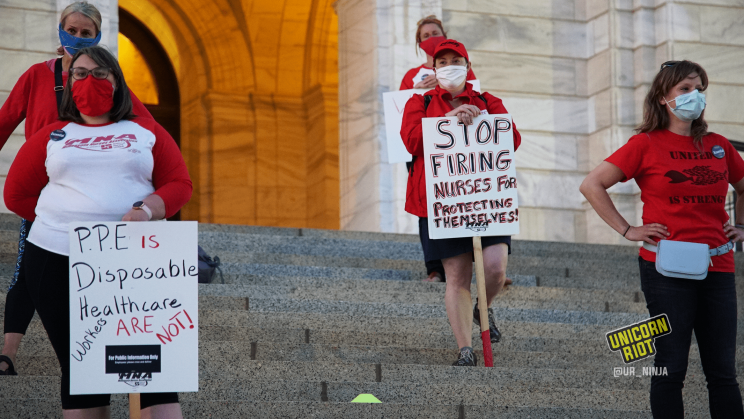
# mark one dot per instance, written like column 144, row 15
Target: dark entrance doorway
column 166, row 108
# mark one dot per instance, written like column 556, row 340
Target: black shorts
column 47, row 277
column 447, row 248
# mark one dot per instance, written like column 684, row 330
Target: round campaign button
column 57, row 135
column 718, row 152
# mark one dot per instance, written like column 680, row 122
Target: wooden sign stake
column 134, row 406
column 480, row 280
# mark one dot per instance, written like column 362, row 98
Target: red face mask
column 92, row 96
column 431, row 44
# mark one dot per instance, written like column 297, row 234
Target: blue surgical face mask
column 73, row 44
column 689, row 106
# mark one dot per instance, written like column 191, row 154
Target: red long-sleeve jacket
column 413, row 137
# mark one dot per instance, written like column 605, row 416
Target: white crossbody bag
column 684, row 259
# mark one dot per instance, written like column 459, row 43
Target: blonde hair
column 84, row 8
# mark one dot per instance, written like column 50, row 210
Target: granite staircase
column 309, row 319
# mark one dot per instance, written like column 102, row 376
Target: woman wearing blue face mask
column 683, row 172
column 35, row 98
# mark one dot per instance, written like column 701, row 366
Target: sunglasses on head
column 668, row 64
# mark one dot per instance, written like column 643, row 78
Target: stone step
column 354, row 324
column 45, row 408
column 255, row 249
column 216, row 297
column 235, row 282
column 437, row 310
column 518, row 264
column 249, row 340
column 234, row 359
column 555, row 277
column 496, row 394
column 48, row 408
column 533, row 248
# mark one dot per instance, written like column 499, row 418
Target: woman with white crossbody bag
column 686, row 263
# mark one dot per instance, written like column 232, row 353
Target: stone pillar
column 376, row 48
column 29, row 37
column 616, row 52
column 321, row 104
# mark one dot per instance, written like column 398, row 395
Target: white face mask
column 452, row 76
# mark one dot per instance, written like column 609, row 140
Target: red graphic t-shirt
column 682, row 189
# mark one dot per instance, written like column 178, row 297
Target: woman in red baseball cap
column 429, row 34
column 453, row 96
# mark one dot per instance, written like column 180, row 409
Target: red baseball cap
column 451, row 45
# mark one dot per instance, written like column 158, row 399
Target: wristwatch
column 139, row 205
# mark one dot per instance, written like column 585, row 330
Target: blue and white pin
column 718, row 152
column 57, row 135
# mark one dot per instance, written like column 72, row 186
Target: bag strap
column 718, row 251
column 58, row 86
column 427, row 101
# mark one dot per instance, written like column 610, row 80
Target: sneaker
column 467, row 358
column 493, row 330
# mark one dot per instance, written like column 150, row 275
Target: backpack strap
column 483, row 98
column 427, row 101
column 409, row 165
column 58, row 86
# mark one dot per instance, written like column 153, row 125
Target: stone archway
column 259, row 126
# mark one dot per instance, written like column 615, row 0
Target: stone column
column 376, row 48
column 29, row 37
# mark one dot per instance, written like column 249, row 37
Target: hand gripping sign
column 471, row 188
column 471, row 179
column 394, row 103
column 133, row 307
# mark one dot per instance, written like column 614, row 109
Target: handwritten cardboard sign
column 394, row 103
column 133, row 307
column 471, row 179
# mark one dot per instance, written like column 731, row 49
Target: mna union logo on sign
column 135, row 379
column 636, row 342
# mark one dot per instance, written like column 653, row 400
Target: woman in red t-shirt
column 453, row 96
column 34, row 99
column 429, row 34
column 683, row 172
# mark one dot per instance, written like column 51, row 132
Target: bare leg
column 162, row 411
column 10, row 348
column 495, row 258
column 459, row 271
column 103, row 412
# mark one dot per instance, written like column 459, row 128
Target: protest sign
column 394, row 104
column 471, row 179
column 133, row 307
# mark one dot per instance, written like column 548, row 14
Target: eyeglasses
column 668, row 64
column 79, row 73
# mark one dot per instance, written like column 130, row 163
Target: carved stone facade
column 281, row 102
column 573, row 73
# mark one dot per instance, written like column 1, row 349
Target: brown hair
column 122, row 108
column 655, row 115
column 425, row 21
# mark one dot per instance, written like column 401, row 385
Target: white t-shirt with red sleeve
column 74, row 172
column 682, row 189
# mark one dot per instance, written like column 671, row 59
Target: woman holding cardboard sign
column 35, row 98
column 683, row 172
column 453, row 96
column 99, row 163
